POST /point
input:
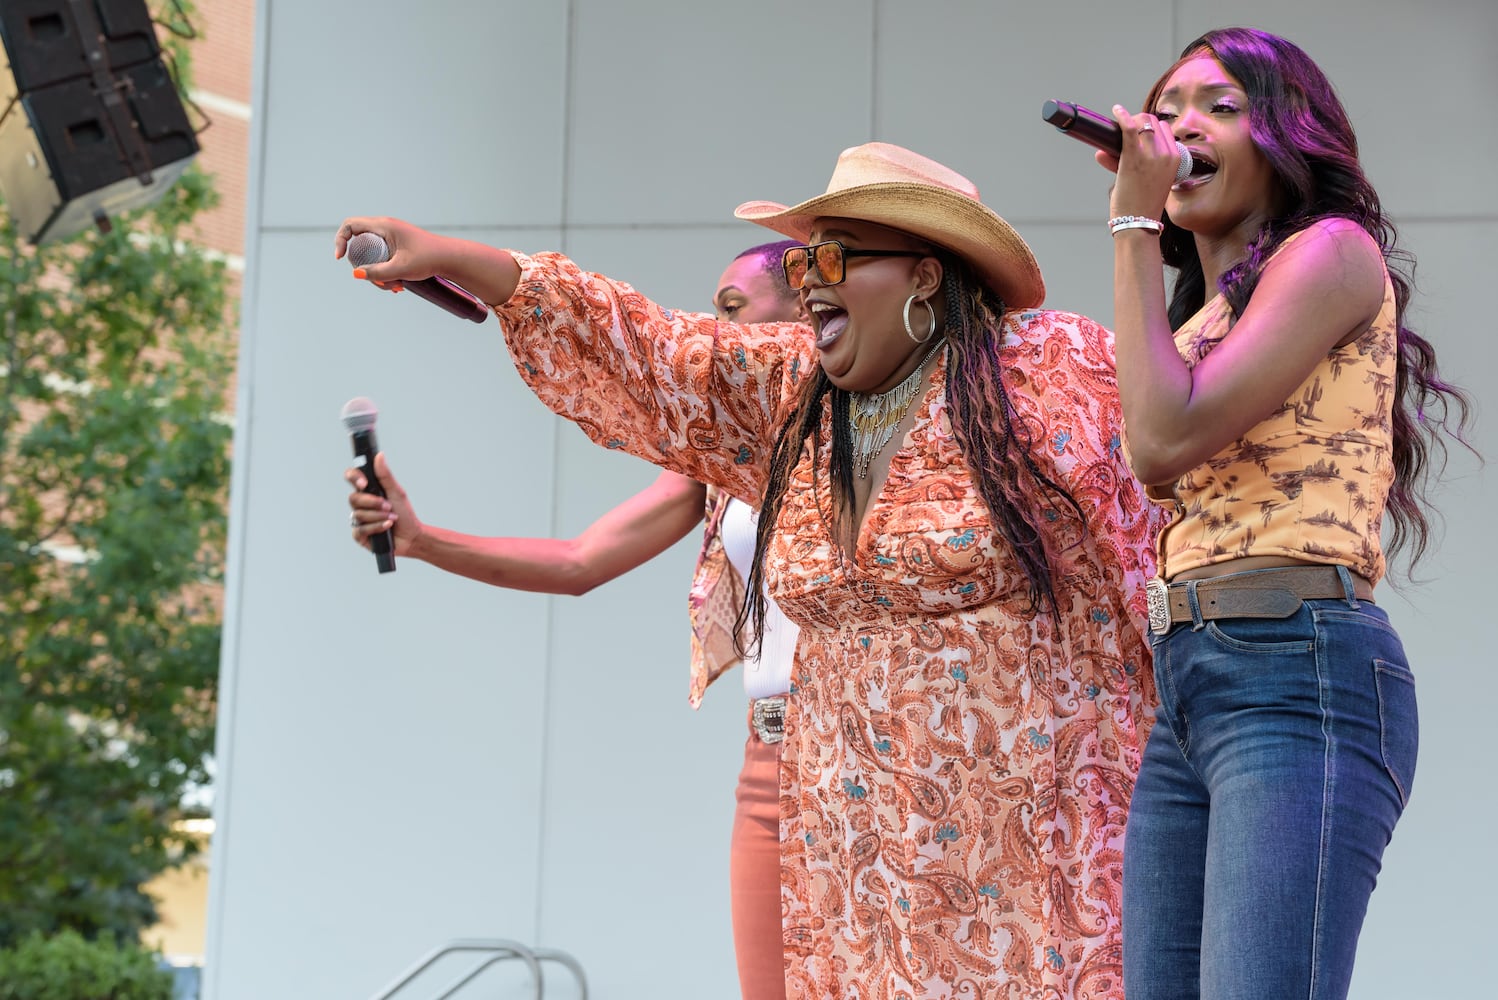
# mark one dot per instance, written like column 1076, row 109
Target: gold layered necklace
column 872, row 418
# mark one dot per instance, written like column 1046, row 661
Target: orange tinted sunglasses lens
column 829, row 261
column 794, row 264
column 828, row 258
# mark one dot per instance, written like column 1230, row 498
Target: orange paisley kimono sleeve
column 713, row 603
column 678, row 389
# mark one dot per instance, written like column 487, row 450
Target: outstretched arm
column 630, row 535
column 678, row 389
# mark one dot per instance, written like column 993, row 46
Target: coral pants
column 754, row 874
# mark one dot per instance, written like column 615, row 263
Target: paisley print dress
column 957, row 769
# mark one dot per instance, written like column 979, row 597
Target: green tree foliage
column 116, row 354
column 68, row 967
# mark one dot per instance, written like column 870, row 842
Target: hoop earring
column 906, row 315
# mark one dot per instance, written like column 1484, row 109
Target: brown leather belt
column 1265, row 593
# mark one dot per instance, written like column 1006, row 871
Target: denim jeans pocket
column 1295, row 634
column 1398, row 724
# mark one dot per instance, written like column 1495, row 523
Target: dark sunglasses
column 831, row 260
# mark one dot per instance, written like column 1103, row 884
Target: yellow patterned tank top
column 1310, row 481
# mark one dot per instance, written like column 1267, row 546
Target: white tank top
column 770, row 673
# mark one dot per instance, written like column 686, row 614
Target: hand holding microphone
column 1104, row 133
column 359, row 415
column 366, row 249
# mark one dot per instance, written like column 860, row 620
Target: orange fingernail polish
column 360, row 273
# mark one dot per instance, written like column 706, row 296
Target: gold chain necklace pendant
column 873, row 417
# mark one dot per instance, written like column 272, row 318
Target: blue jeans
column 1282, row 755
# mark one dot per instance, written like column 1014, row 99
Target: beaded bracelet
column 1122, row 222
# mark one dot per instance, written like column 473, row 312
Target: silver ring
column 353, row 519
column 1146, row 128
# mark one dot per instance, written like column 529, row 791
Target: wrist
column 492, row 274
column 417, row 545
column 1124, row 223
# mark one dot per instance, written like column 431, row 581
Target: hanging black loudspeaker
column 91, row 123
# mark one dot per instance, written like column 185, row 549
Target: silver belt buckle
column 768, row 719
column 1157, row 598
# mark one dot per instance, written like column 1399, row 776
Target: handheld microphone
column 370, row 248
column 359, row 417
column 1104, row 133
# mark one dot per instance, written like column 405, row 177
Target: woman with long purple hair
column 1278, row 403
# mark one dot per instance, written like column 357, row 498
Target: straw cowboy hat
column 890, row 185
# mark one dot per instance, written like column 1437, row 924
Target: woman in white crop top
column 751, row 290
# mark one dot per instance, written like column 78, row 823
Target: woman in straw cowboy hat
column 946, row 516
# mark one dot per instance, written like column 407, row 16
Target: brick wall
column 222, row 70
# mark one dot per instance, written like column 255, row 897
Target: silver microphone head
column 367, row 248
column 1182, row 172
column 359, row 414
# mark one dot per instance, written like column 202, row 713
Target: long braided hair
column 996, row 445
column 1299, row 124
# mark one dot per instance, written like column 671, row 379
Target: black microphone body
column 370, row 248
column 359, row 417
column 1103, row 133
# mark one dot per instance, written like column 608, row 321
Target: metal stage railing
column 493, row 950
